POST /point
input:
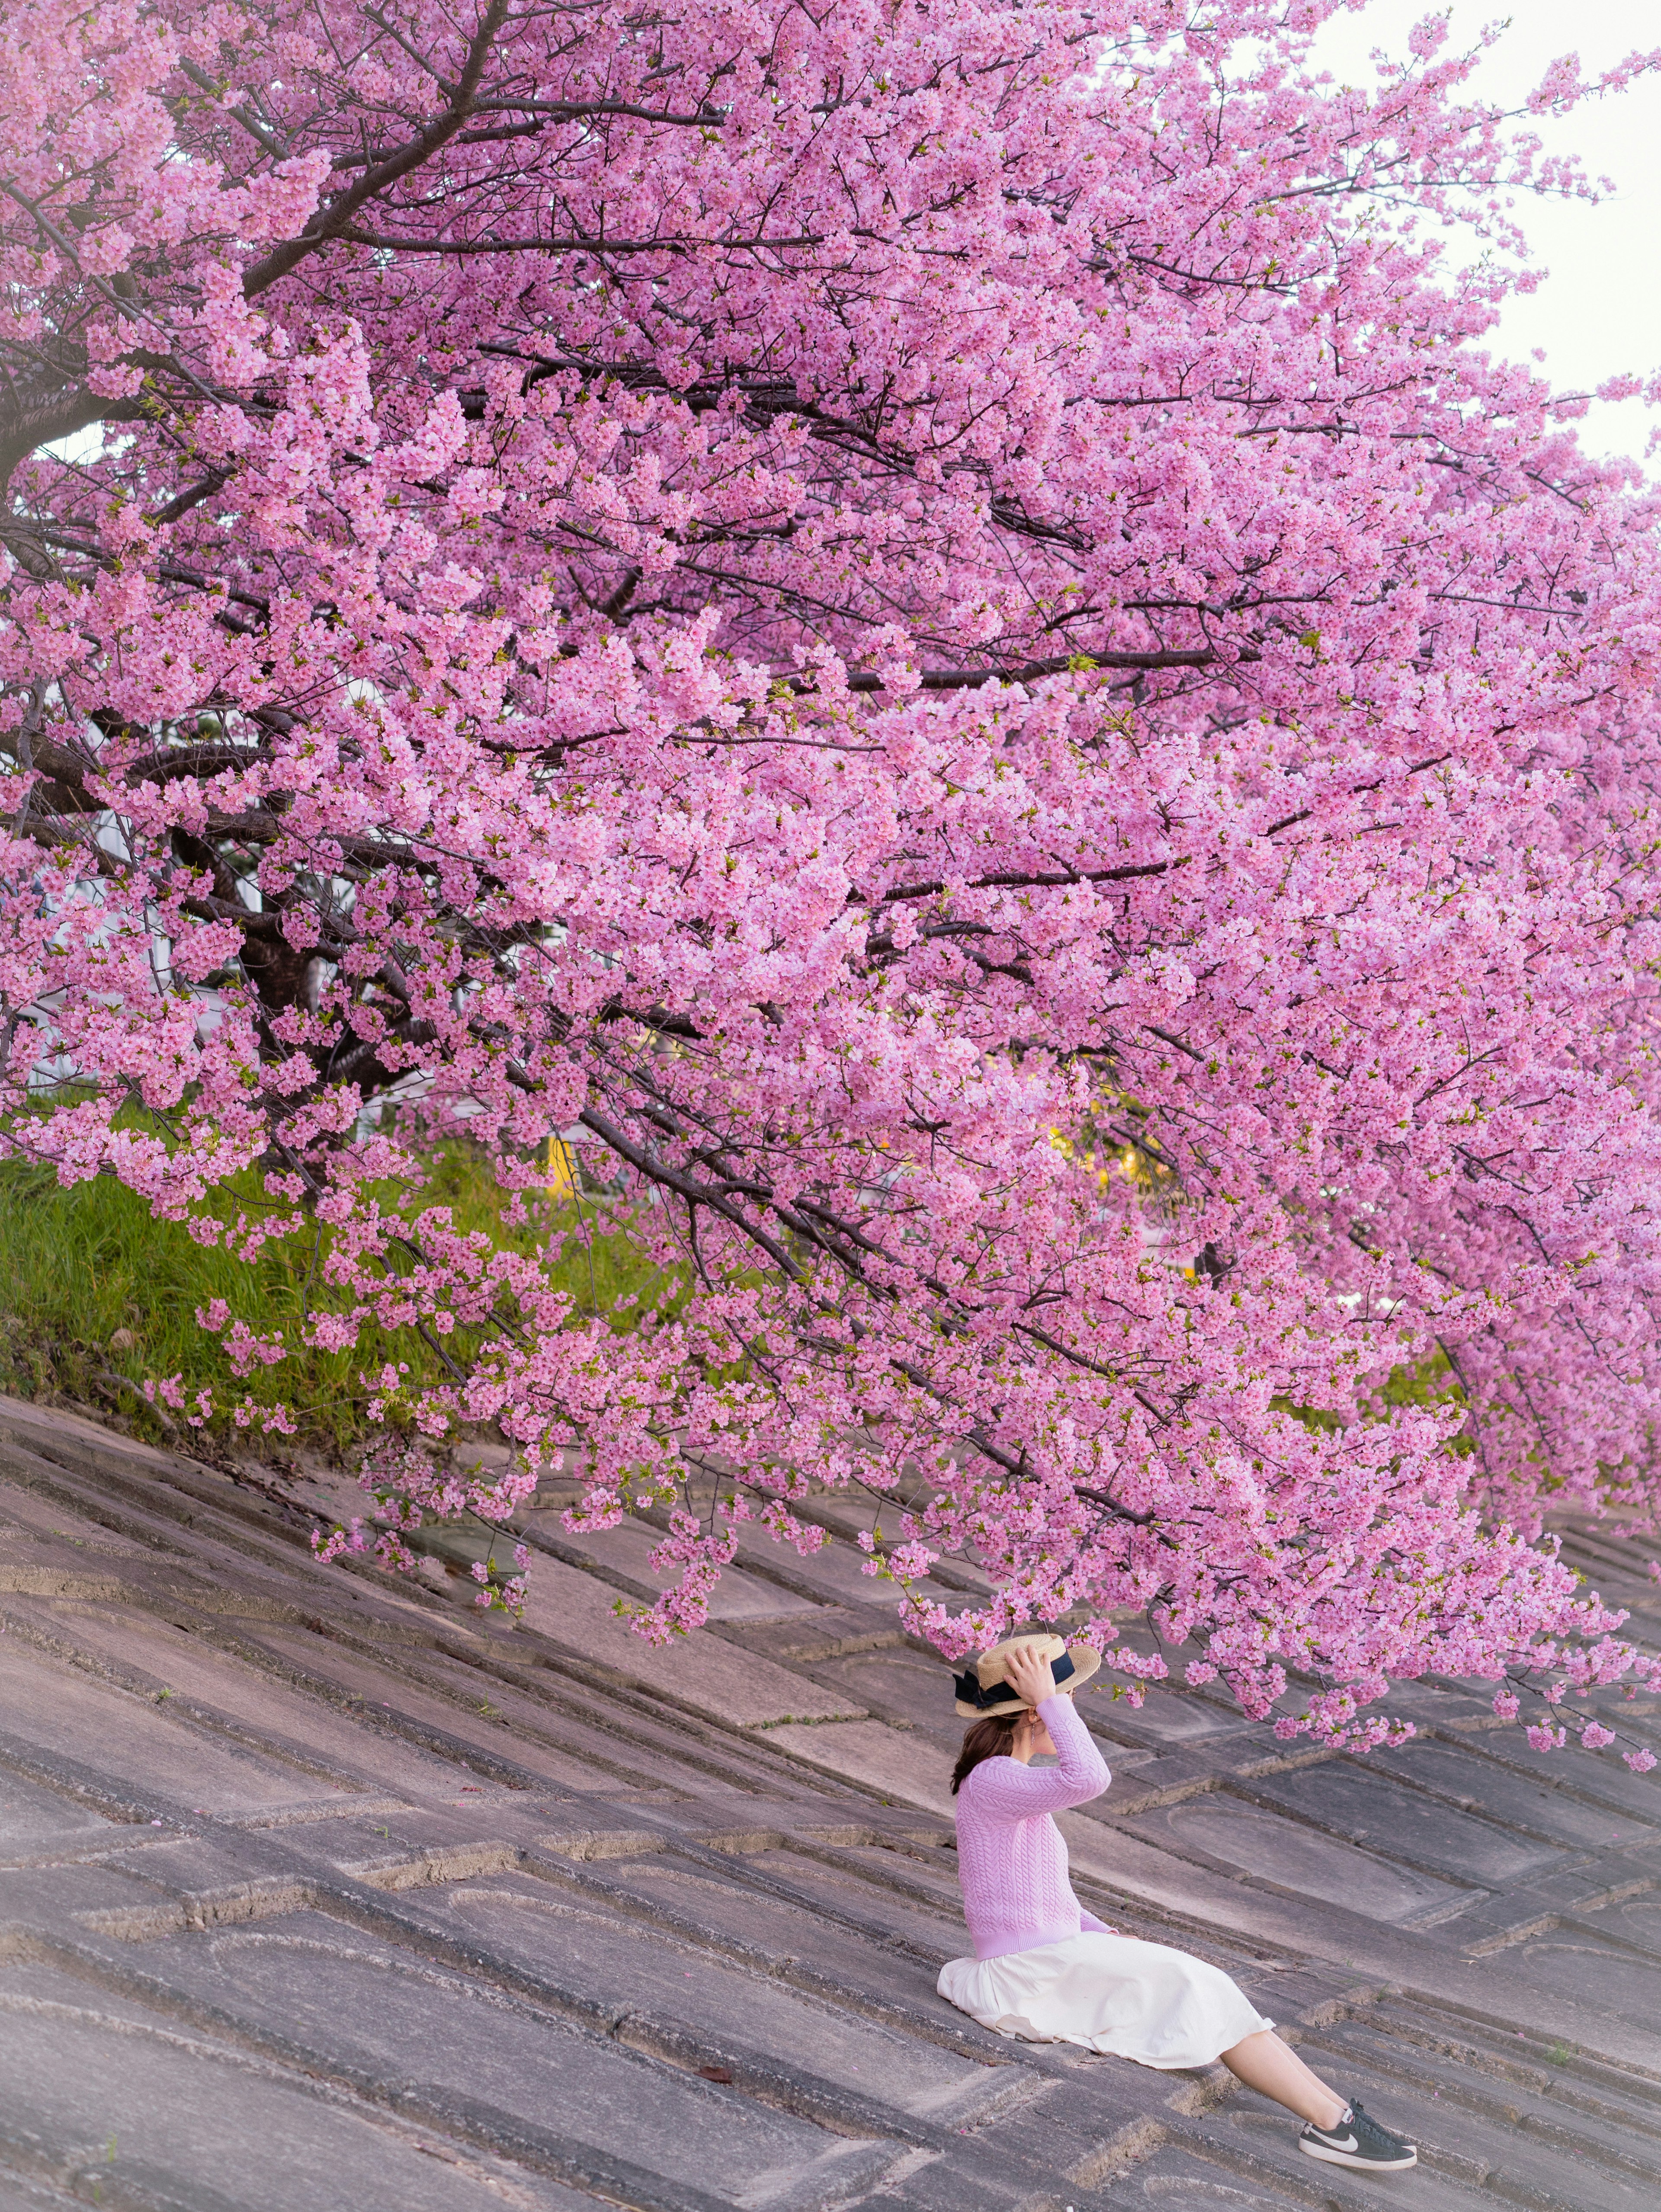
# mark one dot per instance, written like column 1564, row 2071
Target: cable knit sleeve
column 1005, row 1790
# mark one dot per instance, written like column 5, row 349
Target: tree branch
column 330, row 222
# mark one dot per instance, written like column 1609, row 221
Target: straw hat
column 982, row 1689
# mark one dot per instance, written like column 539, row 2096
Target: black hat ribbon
column 970, row 1691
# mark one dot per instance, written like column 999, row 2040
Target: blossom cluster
column 933, row 632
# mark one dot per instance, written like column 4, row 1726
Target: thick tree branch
column 334, row 218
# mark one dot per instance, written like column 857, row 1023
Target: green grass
column 84, row 1270
column 1430, row 1381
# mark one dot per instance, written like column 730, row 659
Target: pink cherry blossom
column 939, row 636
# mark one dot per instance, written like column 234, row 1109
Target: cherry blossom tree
column 934, row 630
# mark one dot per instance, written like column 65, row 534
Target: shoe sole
column 1354, row 2159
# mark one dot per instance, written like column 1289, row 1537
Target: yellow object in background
column 562, row 1169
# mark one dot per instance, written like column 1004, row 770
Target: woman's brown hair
column 988, row 1739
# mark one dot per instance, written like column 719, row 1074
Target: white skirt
column 1109, row 1993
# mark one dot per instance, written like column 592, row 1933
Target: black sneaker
column 1357, row 2141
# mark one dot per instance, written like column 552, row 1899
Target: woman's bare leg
column 1274, row 2069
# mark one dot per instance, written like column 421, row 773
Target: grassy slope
column 95, row 1296
column 84, row 1270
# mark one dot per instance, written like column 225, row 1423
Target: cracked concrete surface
column 323, row 1891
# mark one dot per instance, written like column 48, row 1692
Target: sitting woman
column 1048, row 1972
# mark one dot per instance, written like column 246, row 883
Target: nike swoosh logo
column 1350, row 2142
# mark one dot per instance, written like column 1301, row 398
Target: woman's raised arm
column 1004, row 1789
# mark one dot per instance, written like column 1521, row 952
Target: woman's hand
column 1029, row 1675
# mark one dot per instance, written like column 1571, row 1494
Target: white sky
column 1598, row 311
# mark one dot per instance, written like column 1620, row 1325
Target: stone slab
column 1634, row 1920
column 901, row 1684
column 1465, row 2137
column 619, row 1969
column 736, row 1687
column 60, row 1710
column 405, row 1734
column 1407, row 1825
column 933, row 1927
column 24, row 1517
column 419, row 1997
column 689, row 1900
column 375, row 2011
column 1300, row 1860
column 35, row 1822
column 1596, row 1975
column 901, row 1767
column 125, row 2106
column 627, row 1550
column 1453, row 1773
column 1601, row 1780
column 1541, row 2095
column 1166, row 1717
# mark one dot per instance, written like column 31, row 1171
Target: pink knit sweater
column 1011, row 1859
